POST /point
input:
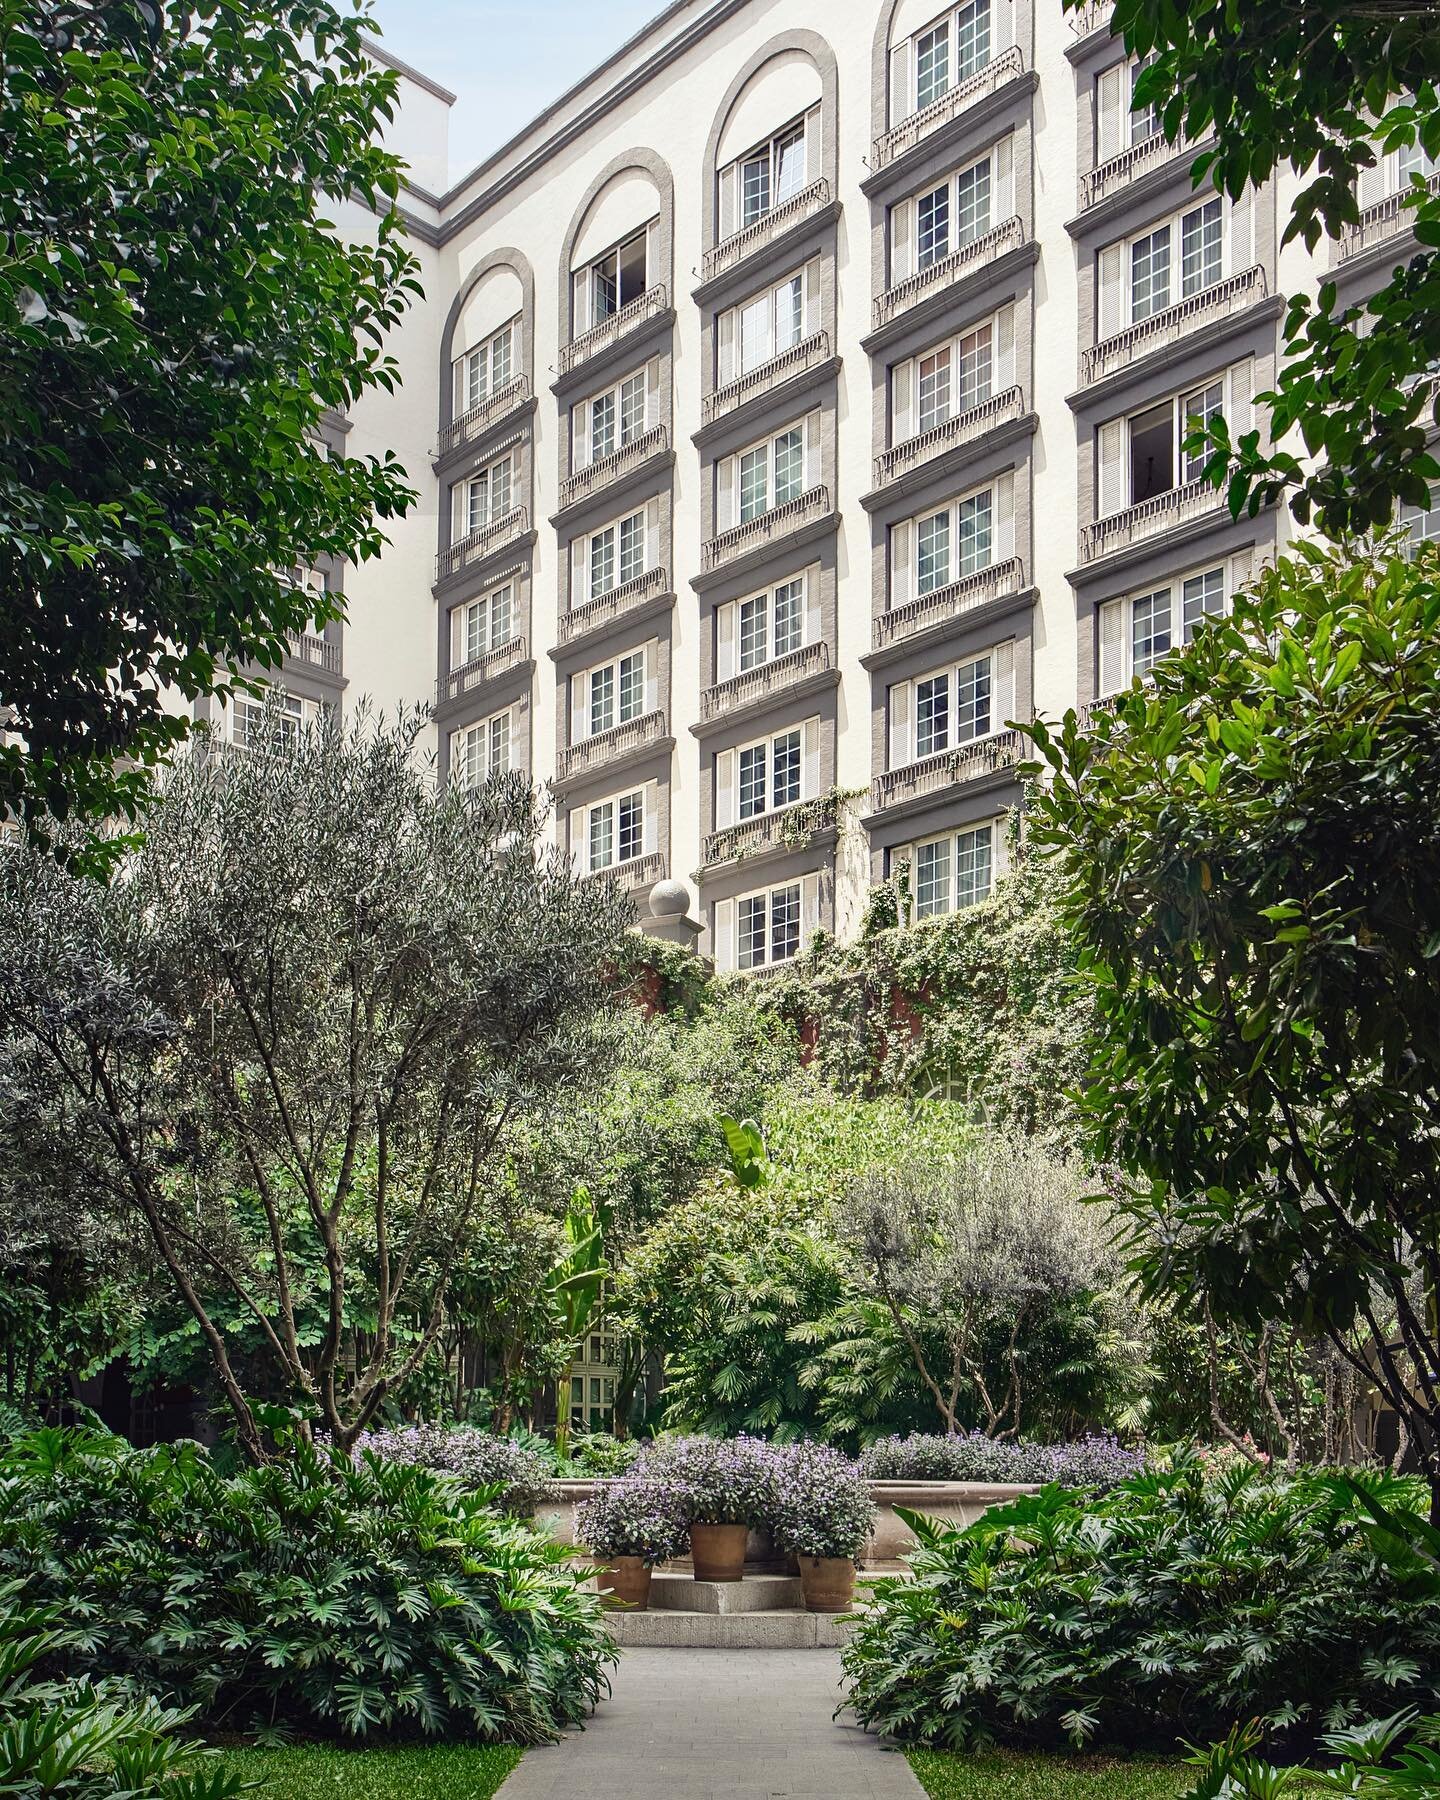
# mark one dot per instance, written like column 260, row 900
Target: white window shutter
column 652, row 533
column 1002, row 693
column 725, row 346
column 652, row 675
column 901, row 105
column 810, row 759
column 1110, row 627
column 902, row 241
column 724, row 789
column 581, row 416
column 812, row 145
column 580, row 303
column 811, row 579
column 1375, row 183
column 457, row 636
column 1242, row 568
column 579, row 708
column 1113, row 289
column 1109, row 112
column 459, row 391
column 725, row 641
column 812, row 450
column 1004, row 491
column 459, row 510
column 811, row 286
column 519, row 759
column 578, row 846
column 809, row 908
column 652, row 393
column 1002, row 163
column 456, row 770
column 1239, row 387
column 1110, row 461
column 1004, row 349
column 902, row 563
column 579, row 591
column 902, row 729
column 724, row 493
column 902, row 402
column 1238, row 242
column 1002, row 26
column 999, row 849
column 650, row 833
column 724, row 929
column 729, row 211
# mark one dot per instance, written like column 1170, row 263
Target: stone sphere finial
column 669, row 899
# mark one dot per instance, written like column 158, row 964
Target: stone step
column 669, row 1629
column 675, row 1590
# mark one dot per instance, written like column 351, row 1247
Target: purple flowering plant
column 821, row 1503
column 718, row 1481
column 634, row 1516
column 522, row 1475
column 1098, row 1461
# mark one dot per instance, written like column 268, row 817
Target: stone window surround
column 656, row 630
column 765, row 273
column 1091, row 57
column 606, row 784
column 786, row 566
column 817, row 49
column 951, row 811
column 785, row 712
column 619, row 508
column 880, row 65
column 748, row 876
column 644, row 354
column 648, row 162
column 521, row 743
column 520, row 573
column 968, row 640
column 516, row 260
column 788, row 409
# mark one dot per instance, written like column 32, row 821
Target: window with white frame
column 929, row 390
column 937, row 713
column 1136, row 630
column 761, row 627
column 954, row 869
column 933, row 62
column 1422, row 524
column 614, row 692
column 615, row 831
column 945, row 216
column 751, row 186
column 767, row 775
column 483, row 625
column 483, row 749
column 272, row 721
column 615, row 553
column 481, row 372
column 777, row 470
column 1172, row 261
column 1119, row 125
column 767, row 926
column 485, row 496
column 757, row 330
column 616, row 417
column 946, row 543
column 603, row 286
column 1143, row 455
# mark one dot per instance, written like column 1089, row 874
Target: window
column 1423, row 526
column 756, row 630
column 772, row 173
column 928, row 391
column 969, row 535
column 768, row 926
column 1412, row 160
column 932, row 65
column 1144, row 121
column 483, row 625
column 611, row 695
column 1191, row 243
column 934, row 388
column 933, row 227
column 272, row 722
column 942, row 219
column 1135, row 632
column 1150, row 274
column 1118, row 126
column 1149, row 629
column 933, row 62
column 615, row 832
column 618, row 277
column 761, row 328
column 1143, row 456
column 613, row 555
column 952, row 871
column 616, row 417
column 767, row 475
column 487, row 368
column 486, row 496
column 953, row 707
column 767, row 775
column 1201, row 596
column 933, row 543
column 1200, row 248
column 479, row 751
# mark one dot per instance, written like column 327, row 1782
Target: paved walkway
column 718, row 1725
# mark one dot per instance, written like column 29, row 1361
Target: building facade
column 795, row 410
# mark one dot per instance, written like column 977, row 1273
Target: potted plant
column 724, row 1487
column 632, row 1524
column 821, row 1511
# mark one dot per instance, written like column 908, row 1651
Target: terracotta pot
column 625, row 1581
column 718, row 1551
column 828, row 1583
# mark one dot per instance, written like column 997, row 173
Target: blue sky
column 506, row 62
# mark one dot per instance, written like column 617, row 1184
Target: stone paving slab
column 718, row 1725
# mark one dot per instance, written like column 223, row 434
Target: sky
column 506, row 62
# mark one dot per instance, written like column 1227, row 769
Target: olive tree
column 292, row 1038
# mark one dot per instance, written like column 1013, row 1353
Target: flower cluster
column 719, row 1481
column 1096, row 1462
column 820, row 1504
column 634, row 1517
column 476, row 1459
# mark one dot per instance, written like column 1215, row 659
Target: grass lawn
column 425, row 1772
column 1007, row 1775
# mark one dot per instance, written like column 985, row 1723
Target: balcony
column 479, row 546
column 937, row 774
column 598, row 475
column 792, row 828
column 607, row 747
column 734, row 250
column 1148, row 518
column 1008, row 235
column 1118, row 351
column 636, row 312
column 1118, row 172
column 909, row 132
column 1089, row 17
column 760, row 683
column 1386, row 219
column 308, row 647
column 639, row 872
column 767, row 529
column 773, row 374
column 966, row 427
column 578, row 621
column 951, row 602
column 465, row 677
column 482, row 418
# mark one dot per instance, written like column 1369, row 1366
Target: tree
column 292, row 1037
column 1326, row 87
column 176, row 317
column 1250, row 868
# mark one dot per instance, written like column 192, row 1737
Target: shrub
column 597, row 1453
column 634, row 1516
column 519, row 1476
column 718, row 1481
column 1170, row 1605
column 307, row 1593
column 1091, row 1462
column 821, row 1505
